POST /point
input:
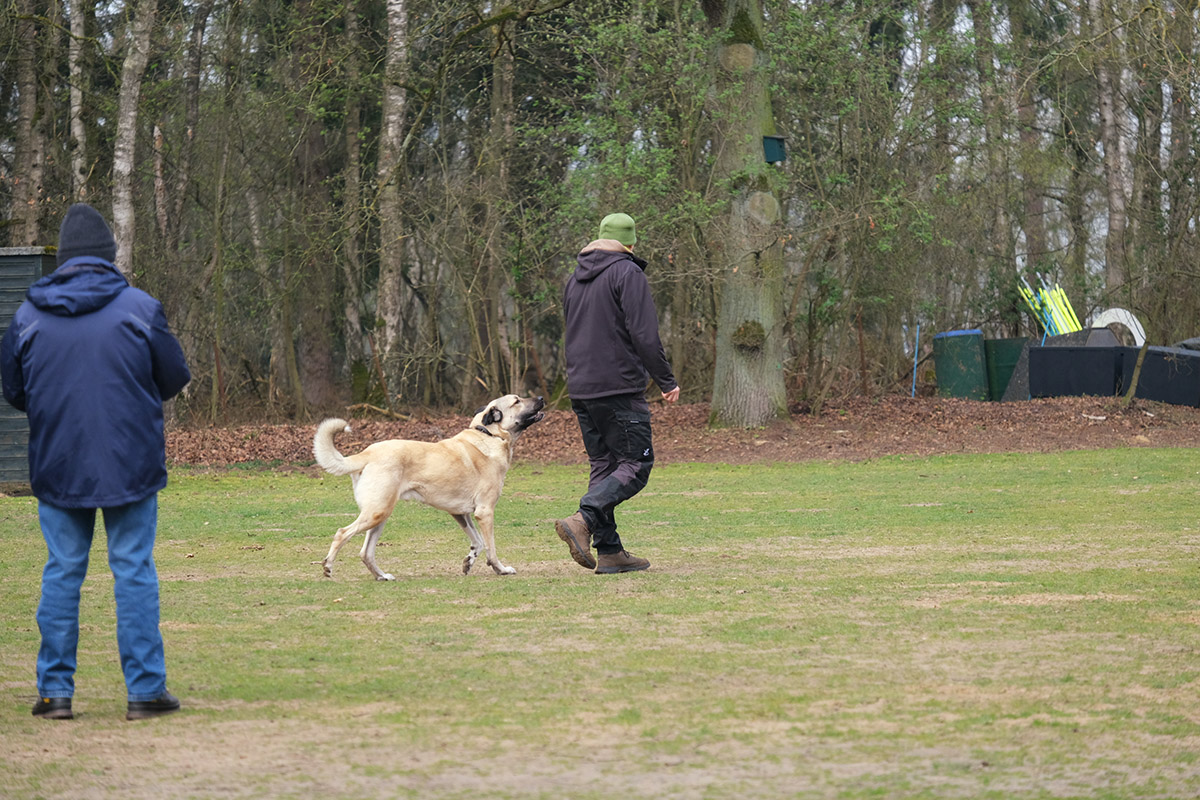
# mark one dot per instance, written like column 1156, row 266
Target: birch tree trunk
column 125, row 147
column 391, row 223
column 1116, row 170
column 75, row 72
column 748, row 382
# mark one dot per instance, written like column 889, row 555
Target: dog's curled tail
column 326, row 453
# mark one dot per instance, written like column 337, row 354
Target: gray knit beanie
column 85, row 233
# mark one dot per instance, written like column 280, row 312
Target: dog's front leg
column 485, row 519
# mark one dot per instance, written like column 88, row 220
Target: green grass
column 976, row 626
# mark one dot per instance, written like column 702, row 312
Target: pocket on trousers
column 635, row 434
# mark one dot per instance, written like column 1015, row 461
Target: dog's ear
column 492, row 416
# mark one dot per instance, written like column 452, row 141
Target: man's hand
column 672, row 395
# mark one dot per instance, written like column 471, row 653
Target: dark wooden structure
column 19, row 267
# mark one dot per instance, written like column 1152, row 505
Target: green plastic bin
column 958, row 360
column 1001, row 356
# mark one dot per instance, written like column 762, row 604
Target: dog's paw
column 387, row 576
column 501, row 569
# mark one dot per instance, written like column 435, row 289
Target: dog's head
column 509, row 415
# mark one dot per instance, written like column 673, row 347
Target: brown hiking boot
column 609, row 563
column 574, row 531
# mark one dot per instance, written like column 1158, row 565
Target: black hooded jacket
column 612, row 337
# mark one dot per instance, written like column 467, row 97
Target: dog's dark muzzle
column 532, row 415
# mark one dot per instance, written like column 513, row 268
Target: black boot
column 166, row 703
column 53, row 708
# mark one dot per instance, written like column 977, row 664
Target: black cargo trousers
column 616, row 435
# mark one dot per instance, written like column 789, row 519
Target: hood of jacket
column 80, row 286
column 600, row 255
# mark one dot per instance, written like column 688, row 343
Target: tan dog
column 462, row 475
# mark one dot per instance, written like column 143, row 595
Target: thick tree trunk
column 137, row 55
column 316, row 252
column 748, row 384
column 30, row 150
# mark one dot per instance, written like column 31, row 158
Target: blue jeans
column 68, row 534
column 616, row 435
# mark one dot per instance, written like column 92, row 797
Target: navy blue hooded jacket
column 90, row 359
column 612, row 337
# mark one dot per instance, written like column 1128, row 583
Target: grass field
column 970, row 627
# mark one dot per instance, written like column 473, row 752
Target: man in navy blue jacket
column 613, row 350
column 90, row 360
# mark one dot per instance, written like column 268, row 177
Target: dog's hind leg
column 363, row 522
column 367, row 554
column 468, row 525
column 484, row 522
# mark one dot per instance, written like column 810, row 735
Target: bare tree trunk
column 981, row 19
column 391, row 172
column 281, row 367
column 1180, row 189
column 30, row 149
column 174, row 211
column 1076, row 213
column 316, row 248
column 1034, row 217
column 1116, row 170
column 160, row 181
column 748, row 384
column 351, row 267
column 49, row 55
column 137, row 55
column 1146, row 222
column 498, row 358
column 78, row 145
column 218, row 281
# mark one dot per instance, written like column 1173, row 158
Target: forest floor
column 852, row 430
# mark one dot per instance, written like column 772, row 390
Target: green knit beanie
column 619, row 227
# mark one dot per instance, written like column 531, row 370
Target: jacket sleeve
column 11, row 373
column 171, row 372
column 641, row 320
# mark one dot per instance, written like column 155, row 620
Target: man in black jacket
column 613, row 348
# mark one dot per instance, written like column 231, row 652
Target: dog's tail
column 326, row 453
